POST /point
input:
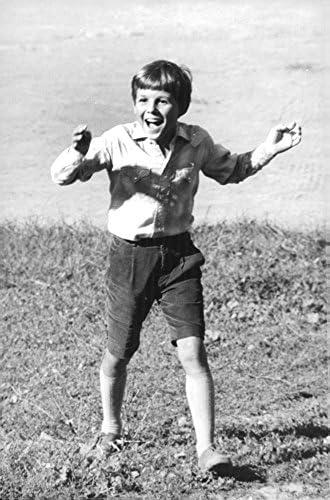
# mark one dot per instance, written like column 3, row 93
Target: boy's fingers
column 296, row 139
column 81, row 134
column 281, row 127
column 296, row 132
column 291, row 125
column 80, row 128
column 79, row 137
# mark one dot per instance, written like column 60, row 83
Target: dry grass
column 265, row 311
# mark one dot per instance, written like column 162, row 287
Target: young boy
column 153, row 166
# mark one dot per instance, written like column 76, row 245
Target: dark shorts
column 162, row 269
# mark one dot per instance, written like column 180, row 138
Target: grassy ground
column 265, row 312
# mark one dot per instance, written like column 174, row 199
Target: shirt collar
column 182, row 130
column 190, row 133
column 137, row 132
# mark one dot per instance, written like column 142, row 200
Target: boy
column 153, row 166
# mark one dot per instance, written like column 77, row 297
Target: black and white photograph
column 163, row 225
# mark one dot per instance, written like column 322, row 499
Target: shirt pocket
column 136, row 178
column 184, row 175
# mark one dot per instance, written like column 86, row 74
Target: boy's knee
column 192, row 355
column 112, row 366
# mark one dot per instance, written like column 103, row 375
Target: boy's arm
column 82, row 159
column 227, row 168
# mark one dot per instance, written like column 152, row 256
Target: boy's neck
column 167, row 146
column 166, row 142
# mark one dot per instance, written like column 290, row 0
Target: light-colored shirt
column 151, row 190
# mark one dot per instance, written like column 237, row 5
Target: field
column 266, row 339
column 254, row 64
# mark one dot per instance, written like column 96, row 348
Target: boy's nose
column 152, row 107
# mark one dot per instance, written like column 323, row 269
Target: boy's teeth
column 152, row 124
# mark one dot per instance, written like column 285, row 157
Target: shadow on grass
column 307, row 429
column 243, row 473
column 249, row 473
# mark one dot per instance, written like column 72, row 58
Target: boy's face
column 157, row 112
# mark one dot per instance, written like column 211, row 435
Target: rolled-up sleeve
column 226, row 167
column 71, row 165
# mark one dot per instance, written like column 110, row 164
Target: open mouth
column 153, row 123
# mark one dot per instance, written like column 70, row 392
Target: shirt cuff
column 65, row 167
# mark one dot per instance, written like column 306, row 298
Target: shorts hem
column 185, row 335
column 119, row 353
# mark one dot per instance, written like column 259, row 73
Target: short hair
column 168, row 76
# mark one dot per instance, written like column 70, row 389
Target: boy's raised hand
column 81, row 139
column 283, row 137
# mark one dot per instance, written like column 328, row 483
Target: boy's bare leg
column 112, row 385
column 199, row 389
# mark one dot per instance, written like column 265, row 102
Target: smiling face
column 157, row 112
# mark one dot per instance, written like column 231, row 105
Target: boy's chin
column 153, row 135
column 160, row 136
